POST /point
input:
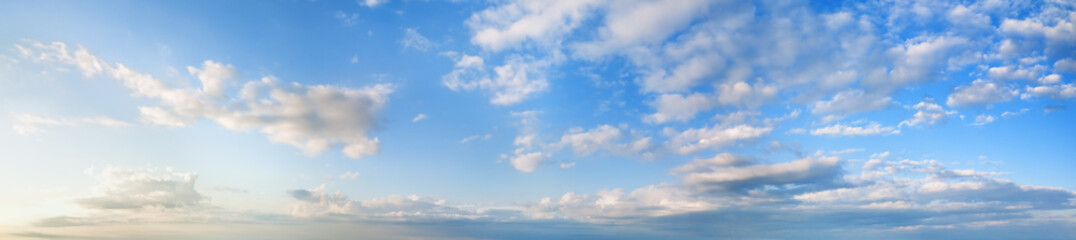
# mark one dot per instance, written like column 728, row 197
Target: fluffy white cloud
column 927, row 113
column 312, row 118
column 1015, row 73
column 215, row 77
column 1057, row 91
column 122, row 188
column 980, row 92
column 1056, row 40
column 676, row 107
column 511, row 83
column 511, row 24
column 846, row 130
column 697, row 139
column 26, row 124
column 983, row 119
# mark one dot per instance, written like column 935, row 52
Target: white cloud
column 419, row 117
column 927, row 113
column 319, row 203
column 349, row 175
column 845, row 130
column 1067, row 65
column 412, row 39
column 26, row 124
column 849, row 102
column 1056, row 40
column 515, row 81
column 676, row 107
column 616, row 204
column 373, row 3
column 476, row 137
column 122, row 188
column 629, row 24
column 527, row 161
column 1015, row 73
column 215, row 77
column 743, row 94
column 1008, row 114
column 349, row 19
column 698, row 139
column 980, row 92
column 603, row 137
column 567, row 165
column 1057, row 91
column 312, row 118
column 513, row 23
column 983, row 119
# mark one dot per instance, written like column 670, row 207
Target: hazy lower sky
column 537, row 119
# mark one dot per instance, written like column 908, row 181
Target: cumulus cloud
column 979, row 93
column 518, row 79
column 983, row 119
column 312, row 118
column 123, row 188
column 609, row 139
column 927, row 113
column 847, row 130
column 697, row 139
column 511, row 24
column 26, row 124
column 1057, row 91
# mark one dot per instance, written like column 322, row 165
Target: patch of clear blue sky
column 305, row 42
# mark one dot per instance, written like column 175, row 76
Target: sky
column 537, row 119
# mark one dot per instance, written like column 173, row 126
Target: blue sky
column 685, row 119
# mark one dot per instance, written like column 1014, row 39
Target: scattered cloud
column 697, row 139
column 412, row 39
column 983, row 119
column 419, row 117
column 349, row 175
column 348, row 19
column 927, row 113
column 518, row 79
column 979, row 93
column 847, row 130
